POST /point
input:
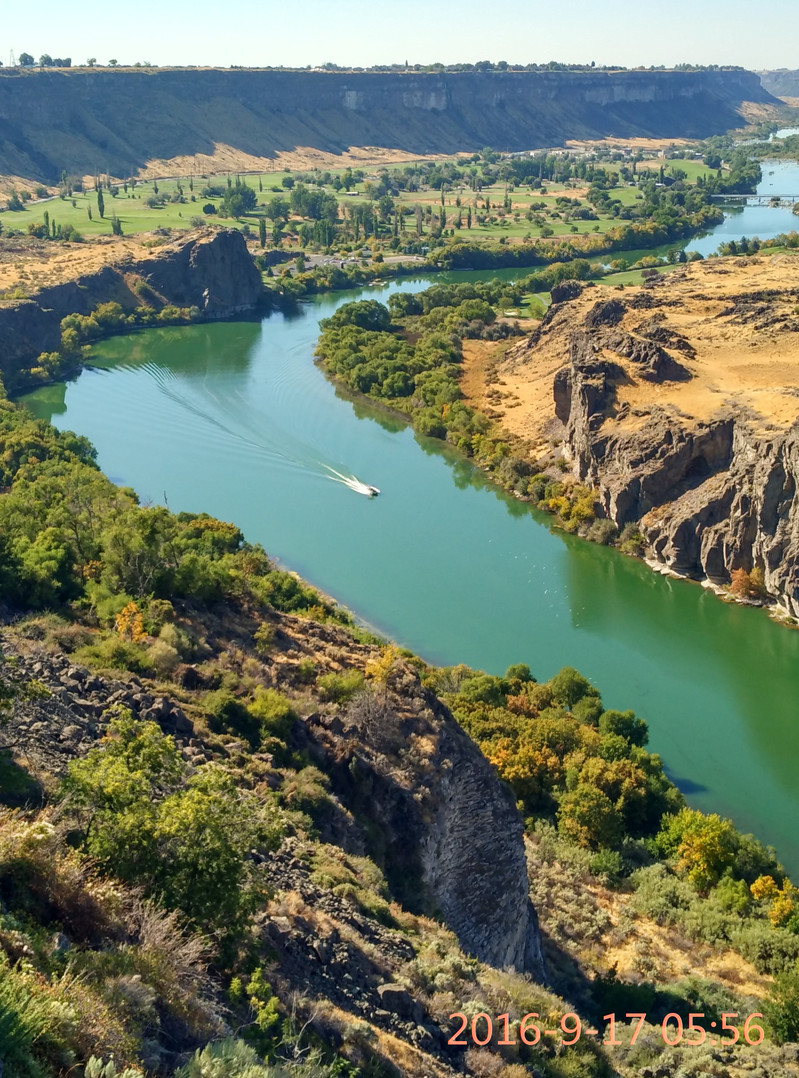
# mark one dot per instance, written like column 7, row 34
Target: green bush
column 274, row 712
column 340, row 687
column 112, row 652
column 226, row 713
column 781, row 1009
column 608, row 865
column 230, row 1058
column 34, row 1024
column 659, row 894
column 770, row 950
column 183, row 837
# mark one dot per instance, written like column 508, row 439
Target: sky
column 264, row 33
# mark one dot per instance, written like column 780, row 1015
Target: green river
column 236, row 420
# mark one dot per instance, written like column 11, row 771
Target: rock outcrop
column 414, row 791
column 212, row 271
column 685, row 421
column 743, row 516
column 105, row 117
column 451, row 839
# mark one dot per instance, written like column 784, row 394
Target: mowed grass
column 131, row 207
column 514, row 224
column 532, row 214
column 692, row 168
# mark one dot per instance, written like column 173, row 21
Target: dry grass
column 743, row 360
column 228, row 159
column 669, row 956
column 30, row 265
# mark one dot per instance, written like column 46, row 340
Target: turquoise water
column 235, row 419
column 765, row 222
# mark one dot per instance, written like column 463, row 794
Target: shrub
column 770, row 950
column 263, row 638
column 748, row 585
column 340, row 687
column 632, row 541
column 226, row 712
column 781, row 1009
column 608, row 865
column 306, row 671
column 186, row 839
column 603, row 531
column 274, row 712
column 116, row 654
column 230, row 1058
column 659, row 894
column 162, row 658
column 28, row 1017
column 95, row 1068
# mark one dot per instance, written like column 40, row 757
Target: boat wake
column 232, row 418
column 353, row 482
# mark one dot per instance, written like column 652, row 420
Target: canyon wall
column 679, row 404
column 101, row 120
column 212, row 271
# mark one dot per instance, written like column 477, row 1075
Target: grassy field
column 693, row 169
column 515, row 214
column 131, row 207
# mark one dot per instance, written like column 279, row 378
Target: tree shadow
column 18, row 788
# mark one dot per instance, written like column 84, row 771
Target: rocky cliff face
column 746, row 515
column 451, row 837
column 678, row 403
column 213, row 272
column 415, row 792
column 105, row 118
column 782, row 83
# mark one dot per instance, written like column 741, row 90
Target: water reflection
column 434, row 562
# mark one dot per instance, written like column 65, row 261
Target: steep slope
column 679, row 403
column 115, row 121
column 451, row 838
column 782, row 83
column 210, row 270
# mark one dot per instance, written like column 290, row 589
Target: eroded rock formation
column 686, row 421
column 451, row 839
column 106, row 116
column 211, row 271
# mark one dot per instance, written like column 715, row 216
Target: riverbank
column 339, row 782
column 677, row 402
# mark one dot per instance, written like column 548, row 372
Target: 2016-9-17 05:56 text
column 481, row 1030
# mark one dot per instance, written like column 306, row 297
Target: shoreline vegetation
column 167, row 888
column 180, row 606
column 324, row 230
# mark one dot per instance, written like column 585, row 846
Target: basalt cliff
column 679, row 403
column 115, row 121
column 211, row 270
column 406, row 797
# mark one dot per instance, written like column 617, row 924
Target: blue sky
column 263, row 32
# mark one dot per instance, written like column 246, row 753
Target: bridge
column 759, row 200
